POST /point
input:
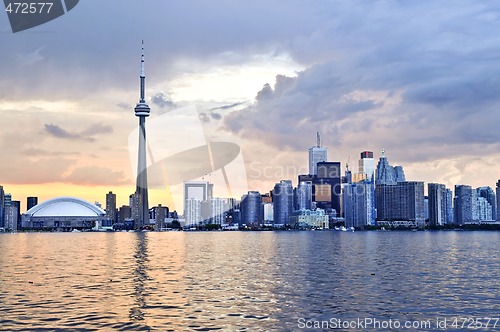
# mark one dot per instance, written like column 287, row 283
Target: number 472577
column 29, row 8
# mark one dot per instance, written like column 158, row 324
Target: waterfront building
column 17, row 205
column 464, row 204
column 192, row 211
column 124, row 213
column 159, row 215
column 403, row 201
column 307, row 219
column 449, row 207
column 317, row 154
column 358, row 201
column 2, row 207
column 111, row 207
column 489, row 194
column 63, row 213
column 11, row 217
column 328, row 186
column 303, row 195
column 498, row 200
column 268, row 210
column 283, row 201
column 251, row 205
column 31, row 201
column 437, row 204
column 484, row 210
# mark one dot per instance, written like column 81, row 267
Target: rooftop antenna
column 318, row 139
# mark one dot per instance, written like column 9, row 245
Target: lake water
column 245, row 280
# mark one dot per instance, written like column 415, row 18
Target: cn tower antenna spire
column 143, row 76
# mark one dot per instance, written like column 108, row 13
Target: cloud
column 97, row 129
column 227, row 107
column 96, row 176
column 84, row 135
column 58, row 132
column 163, row 100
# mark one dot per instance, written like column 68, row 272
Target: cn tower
column 142, row 111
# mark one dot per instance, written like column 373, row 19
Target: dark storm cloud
column 394, row 74
column 443, row 64
column 81, row 61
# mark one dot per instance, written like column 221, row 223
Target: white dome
column 65, row 207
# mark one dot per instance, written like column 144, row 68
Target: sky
column 420, row 80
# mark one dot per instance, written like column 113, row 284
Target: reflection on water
column 242, row 280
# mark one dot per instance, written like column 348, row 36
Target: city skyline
column 66, row 99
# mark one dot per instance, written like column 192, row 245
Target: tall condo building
column 327, row 186
column 437, row 204
column 316, row 154
column 2, row 207
column 367, row 165
column 251, row 209
column 449, row 207
column 111, row 207
column 303, row 196
column 283, row 202
column 464, row 204
column 489, row 195
column 403, row 201
column 498, row 200
column 358, row 200
column 196, row 192
column 31, row 201
column 385, row 173
column 142, row 111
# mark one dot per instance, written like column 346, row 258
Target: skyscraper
column 327, row 186
column 488, row 194
column 30, row 202
column 464, row 204
column 142, row 111
column 283, row 202
column 111, row 207
column 498, row 200
column 403, row 201
column 2, row 207
column 196, row 192
column 358, row 201
column 251, row 209
column 449, row 206
column 304, row 195
column 437, row 204
column 385, row 173
column 316, row 154
column 367, row 165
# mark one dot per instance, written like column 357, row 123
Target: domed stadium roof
column 65, row 207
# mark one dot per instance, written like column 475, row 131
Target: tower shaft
column 142, row 111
